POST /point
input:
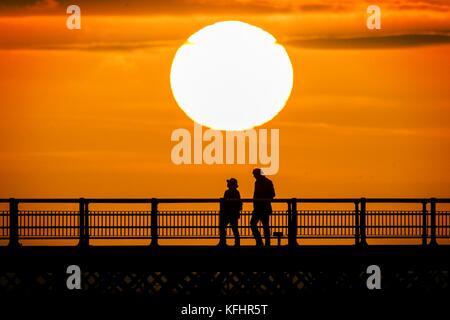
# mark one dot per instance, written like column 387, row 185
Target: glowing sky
column 90, row 112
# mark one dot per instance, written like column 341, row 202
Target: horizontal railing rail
column 293, row 224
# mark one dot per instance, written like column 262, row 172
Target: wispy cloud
column 218, row 6
column 323, row 7
column 148, row 7
column 361, row 43
column 429, row 132
column 123, row 46
column 379, row 42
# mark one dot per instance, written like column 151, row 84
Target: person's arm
column 272, row 189
column 222, row 204
column 240, row 202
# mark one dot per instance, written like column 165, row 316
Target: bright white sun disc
column 231, row 76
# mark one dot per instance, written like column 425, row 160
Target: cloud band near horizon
column 354, row 43
column 24, row 7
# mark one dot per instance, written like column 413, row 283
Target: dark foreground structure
column 288, row 268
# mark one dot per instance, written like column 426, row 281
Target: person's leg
column 235, row 228
column 265, row 219
column 254, row 227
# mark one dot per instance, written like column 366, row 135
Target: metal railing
column 292, row 224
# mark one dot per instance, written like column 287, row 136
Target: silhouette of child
column 230, row 212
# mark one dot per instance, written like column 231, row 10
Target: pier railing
column 292, row 225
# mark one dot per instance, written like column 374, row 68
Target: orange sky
column 90, row 112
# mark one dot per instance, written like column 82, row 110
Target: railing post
column 84, row 223
column 433, row 241
column 357, row 239
column 292, row 220
column 362, row 222
column 424, row 223
column 222, row 228
column 154, row 223
column 81, row 222
column 13, row 223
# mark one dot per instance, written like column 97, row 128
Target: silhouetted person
column 262, row 209
column 230, row 212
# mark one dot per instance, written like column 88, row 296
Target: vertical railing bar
column 81, row 223
column 362, row 222
column 13, row 223
column 39, row 224
column 26, row 218
column 433, row 241
column 292, row 222
column 154, row 222
column 357, row 236
column 86, row 223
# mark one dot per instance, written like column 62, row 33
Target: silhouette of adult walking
column 230, row 212
column 262, row 209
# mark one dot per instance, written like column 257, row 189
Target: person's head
column 257, row 173
column 232, row 183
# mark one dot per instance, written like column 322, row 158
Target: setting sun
column 231, row 76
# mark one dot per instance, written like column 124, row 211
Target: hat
column 233, row 182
